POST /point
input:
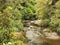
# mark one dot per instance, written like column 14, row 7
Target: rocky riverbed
column 39, row 36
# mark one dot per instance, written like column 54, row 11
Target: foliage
column 27, row 10
column 10, row 20
column 13, row 12
column 14, row 43
column 49, row 10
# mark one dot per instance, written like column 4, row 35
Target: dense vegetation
column 13, row 12
column 48, row 12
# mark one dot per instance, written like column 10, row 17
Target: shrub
column 49, row 9
column 10, row 21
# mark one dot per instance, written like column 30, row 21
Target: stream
column 37, row 36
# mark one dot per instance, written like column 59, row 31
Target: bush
column 28, row 10
column 49, row 10
column 10, row 21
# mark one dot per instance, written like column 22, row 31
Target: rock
column 26, row 23
column 35, row 36
column 52, row 35
column 31, row 34
column 35, row 22
column 52, row 38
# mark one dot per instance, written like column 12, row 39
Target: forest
column 29, row 22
